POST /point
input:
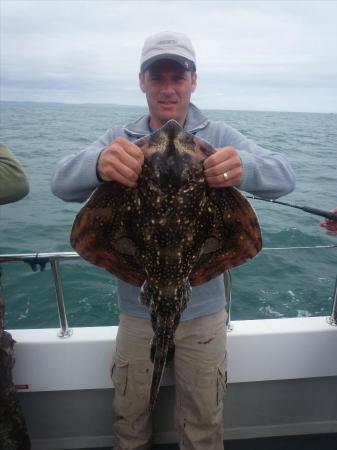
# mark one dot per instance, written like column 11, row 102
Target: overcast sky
column 271, row 55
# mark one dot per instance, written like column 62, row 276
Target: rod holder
column 228, row 297
column 332, row 320
column 64, row 331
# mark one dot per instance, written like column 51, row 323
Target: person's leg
column 200, row 381
column 131, row 374
column 13, row 429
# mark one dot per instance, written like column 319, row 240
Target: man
column 168, row 78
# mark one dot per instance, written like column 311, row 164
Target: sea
column 293, row 276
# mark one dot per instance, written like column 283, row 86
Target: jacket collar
column 195, row 121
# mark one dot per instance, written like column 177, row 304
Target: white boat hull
column 282, row 377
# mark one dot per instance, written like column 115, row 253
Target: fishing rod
column 317, row 212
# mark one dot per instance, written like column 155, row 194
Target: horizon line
column 145, row 106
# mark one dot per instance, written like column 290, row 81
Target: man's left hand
column 223, row 168
column 330, row 225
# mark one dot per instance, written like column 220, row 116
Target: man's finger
column 122, row 156
column 125, row 170
column 219, row 156
column 130, row 161
column 223, row 167
column 132, row 149
column 232, row 178
column 121, row 175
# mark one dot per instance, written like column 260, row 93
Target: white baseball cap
column 168, row 45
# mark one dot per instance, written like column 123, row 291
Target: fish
column 169, row 233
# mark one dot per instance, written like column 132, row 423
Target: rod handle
column 320, row 212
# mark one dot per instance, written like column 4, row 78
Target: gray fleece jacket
column 265, row 174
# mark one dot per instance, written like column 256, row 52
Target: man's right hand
column 122, row 162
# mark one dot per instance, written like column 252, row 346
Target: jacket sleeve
column 266, row 174
column 13, row 180
column 75, row 177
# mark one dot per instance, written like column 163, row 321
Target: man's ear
column 142, row 81
column 194, row 81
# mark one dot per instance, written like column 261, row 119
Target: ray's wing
column 234, row 237
column 101, row 235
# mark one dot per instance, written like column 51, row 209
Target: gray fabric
column 265, row 174
column 13, row 179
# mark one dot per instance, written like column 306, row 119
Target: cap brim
column 184, row 62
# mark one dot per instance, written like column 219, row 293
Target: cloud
column 251, row 54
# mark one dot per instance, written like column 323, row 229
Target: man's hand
column 330, row 225
column 122, row 162
column 223, row 168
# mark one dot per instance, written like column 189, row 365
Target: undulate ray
column 169, row 233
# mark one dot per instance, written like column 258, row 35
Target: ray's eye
column 156, row 159
column 189, row 139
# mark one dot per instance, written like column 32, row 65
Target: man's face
column 168, row 88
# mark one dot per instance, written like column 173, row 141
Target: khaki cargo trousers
column 199, row 368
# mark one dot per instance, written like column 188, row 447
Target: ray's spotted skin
column 169, row 233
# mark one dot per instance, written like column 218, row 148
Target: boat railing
column 54, row 258
column 41, row 259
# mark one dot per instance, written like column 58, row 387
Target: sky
column 272, row 55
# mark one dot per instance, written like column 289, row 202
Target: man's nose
column 168, row 88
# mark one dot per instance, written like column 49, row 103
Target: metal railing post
column 332, row 320
column 64, row 331
column 228, row 297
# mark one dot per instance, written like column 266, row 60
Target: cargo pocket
column 142, row 378
column 221, row 382
column 119, row 375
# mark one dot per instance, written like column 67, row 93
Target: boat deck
column 308, row 442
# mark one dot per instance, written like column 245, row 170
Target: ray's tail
column 165, row 319
column 162, row 350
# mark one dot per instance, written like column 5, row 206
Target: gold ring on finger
column 225, row 175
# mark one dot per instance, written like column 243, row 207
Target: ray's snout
column 171, row 166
